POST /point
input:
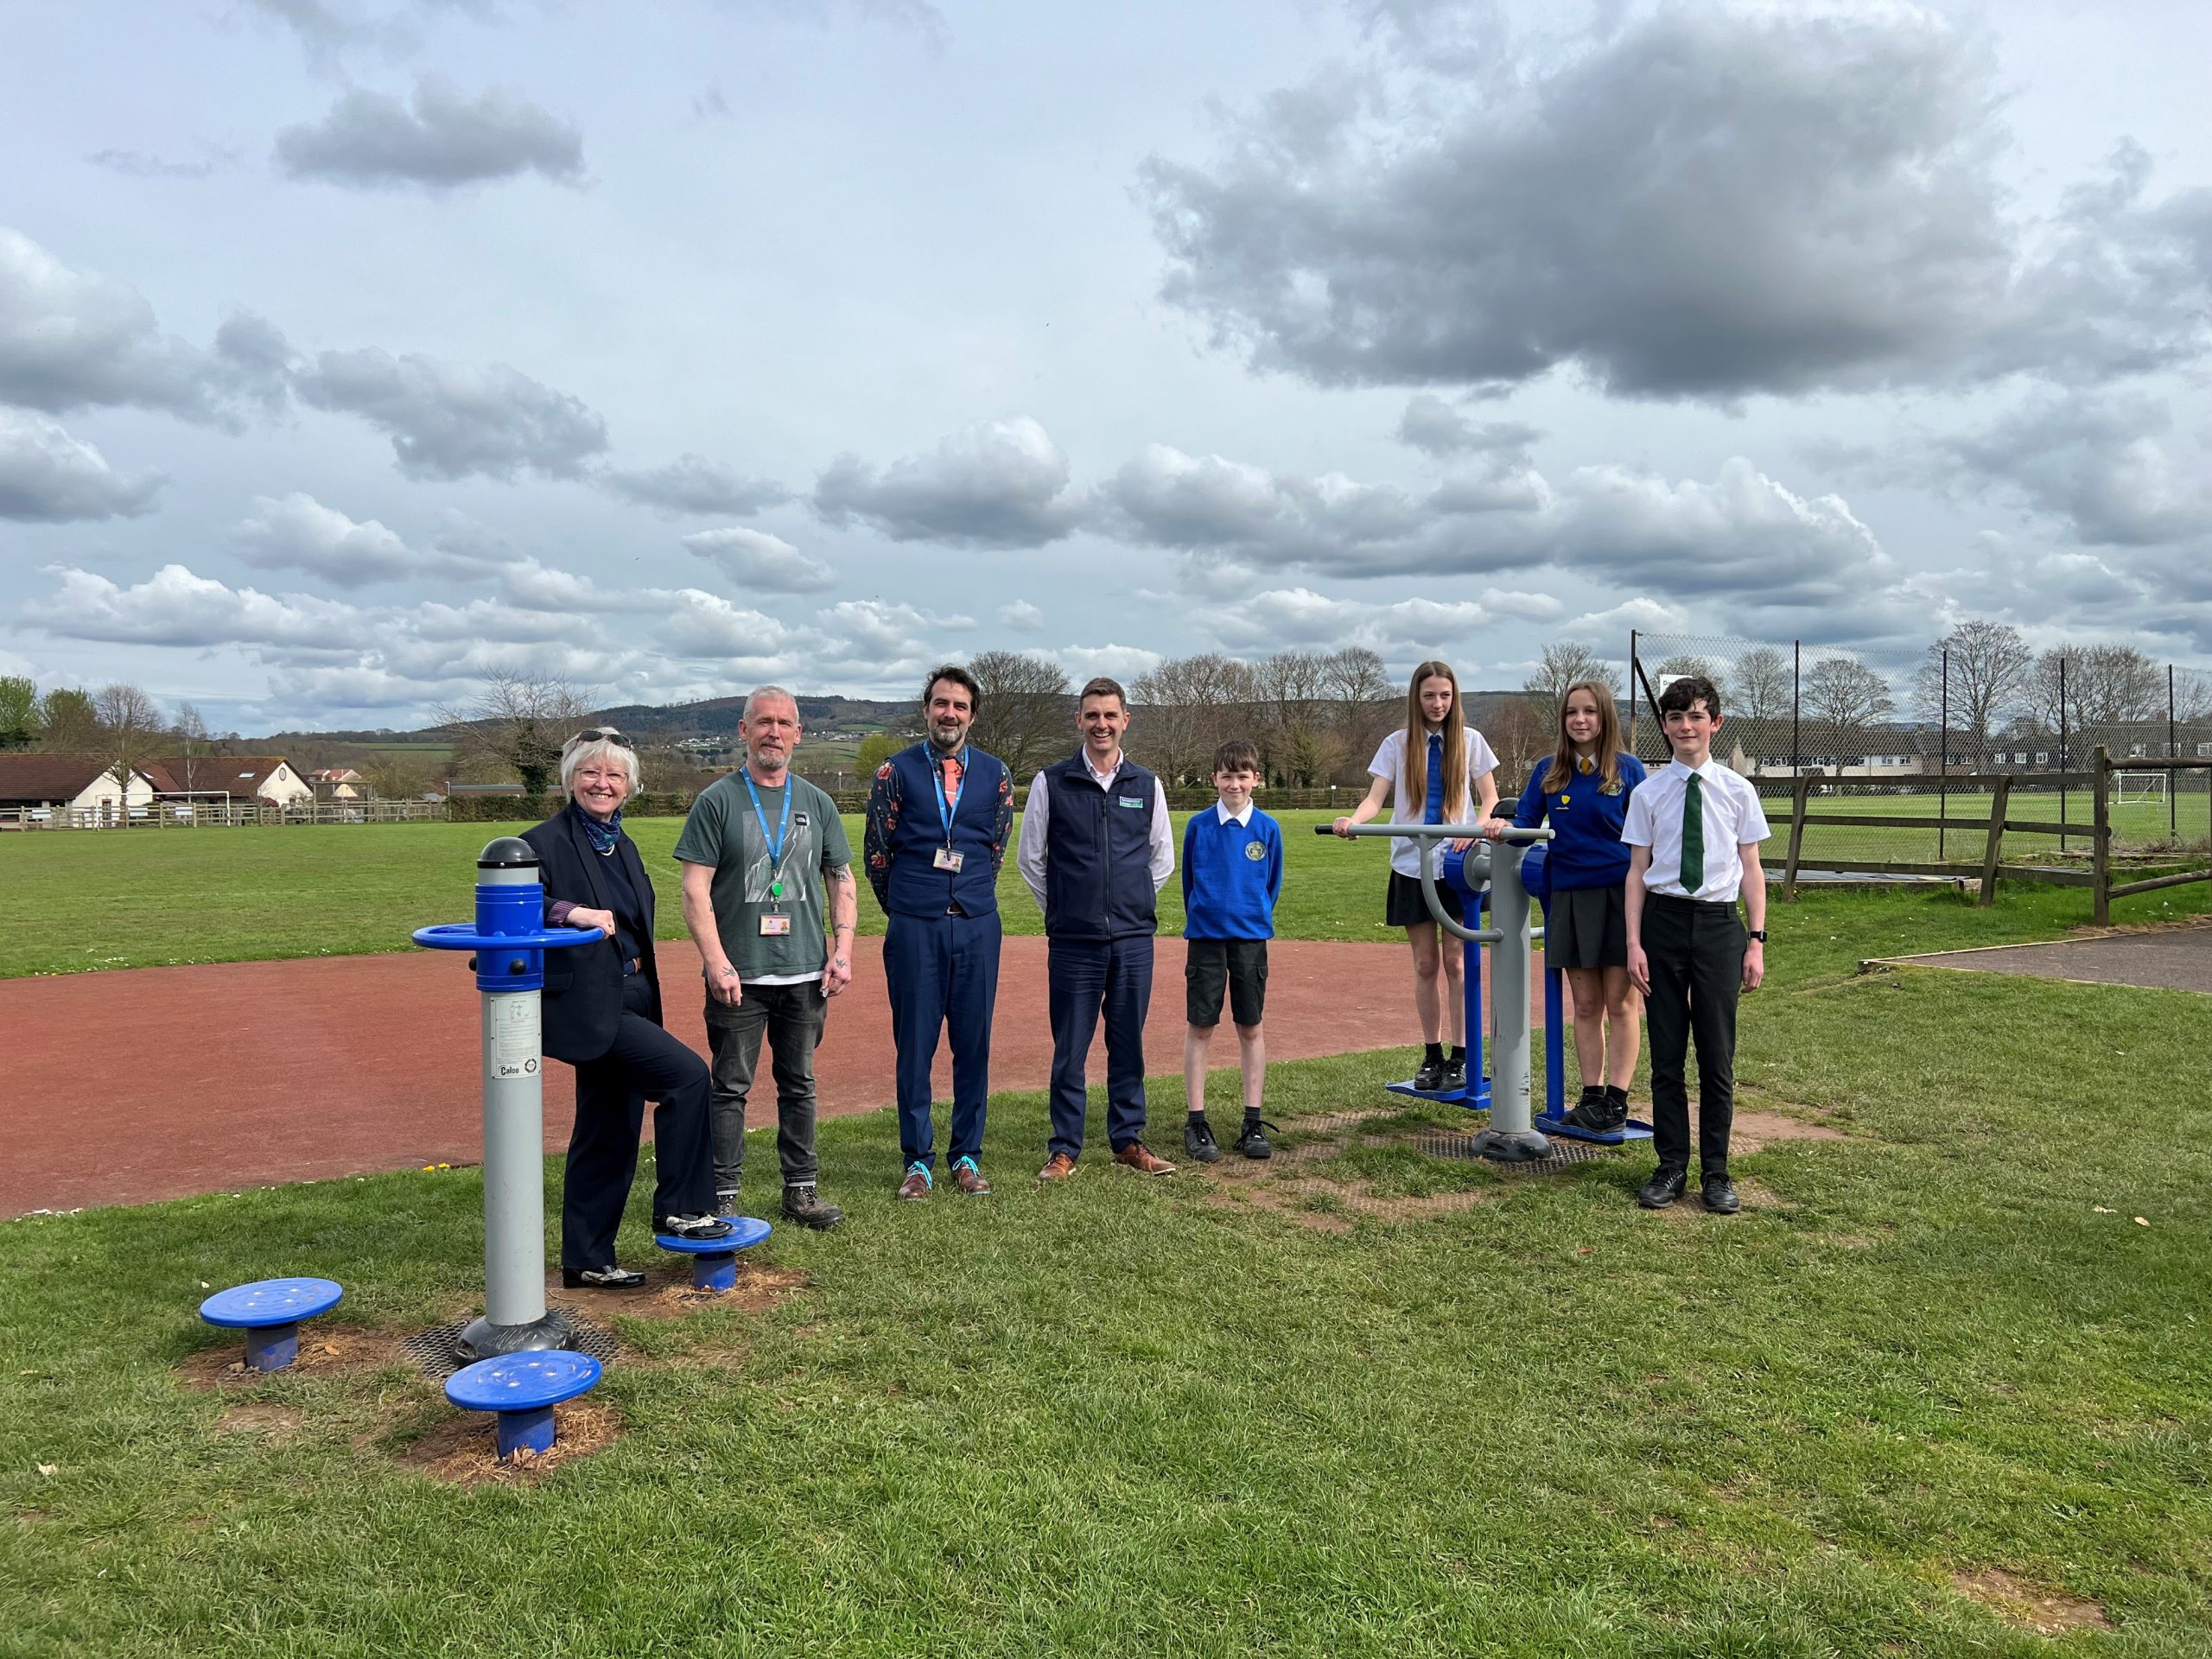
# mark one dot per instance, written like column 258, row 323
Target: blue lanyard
column 937, row 780
column 775, row 846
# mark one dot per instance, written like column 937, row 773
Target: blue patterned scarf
column 603, row 835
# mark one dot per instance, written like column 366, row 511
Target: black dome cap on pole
column 507, row 853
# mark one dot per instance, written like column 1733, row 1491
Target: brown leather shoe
column 1057, row 1167
column 968, row 1176
column 917, row 1183
column 1137, row 1156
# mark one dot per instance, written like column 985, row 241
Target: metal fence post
column 2173, row 753
column 1943, row 760
column 1796, row 682
column 2062, row 760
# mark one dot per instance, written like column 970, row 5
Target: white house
column 70, row 789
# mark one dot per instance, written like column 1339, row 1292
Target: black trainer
column 1198, row 1143
column 1430, row 1078
column 1718, row 1194
column 1455, row 1074
column 704, row 1227
column 1252, row 1139
column 607, row 1278
column 1666, row 1183
column 1596, row 1113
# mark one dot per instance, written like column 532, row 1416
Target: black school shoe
column 1199, row 1143
column 1596, row 1114
column 1455, row 1074
column 1666, row 1183
column 608, row 1278
column 1718, row 1194
column 1430, row 1078
column 1252, row 1139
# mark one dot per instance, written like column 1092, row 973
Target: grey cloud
column 998, row 484
column 73, row 340
column 1434, row 427
column 692, row 483
column 2104, row 467
column 450, row 422
column 764, row 563
column 1702, row 203
column 48, row 477
column 442, row 142
column 133, row 165
column 297, row 532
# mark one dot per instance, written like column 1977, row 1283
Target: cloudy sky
column 351, row 349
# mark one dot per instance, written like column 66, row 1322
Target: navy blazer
column 583, row 983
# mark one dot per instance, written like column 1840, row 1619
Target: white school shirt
column 1389, row 762
column 1734, row 818
column 1037, row 812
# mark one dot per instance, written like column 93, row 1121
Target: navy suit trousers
column 942, row 972
column 1088, row 978
column 645, row 1064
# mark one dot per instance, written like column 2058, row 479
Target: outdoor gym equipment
column 268, row 1311
column 511, row 940
column 714, row 1260
column 522, row 1388
column 1512, row 1136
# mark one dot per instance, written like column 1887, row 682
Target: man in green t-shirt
column 762, row 851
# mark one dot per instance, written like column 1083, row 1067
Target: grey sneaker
column 802, row 1205
column 706, row 1228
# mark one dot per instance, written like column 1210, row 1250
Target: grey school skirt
column 1586, row 927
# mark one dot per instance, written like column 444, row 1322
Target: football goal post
column 2138, row 788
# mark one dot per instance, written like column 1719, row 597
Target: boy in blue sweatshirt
column 1232, row 874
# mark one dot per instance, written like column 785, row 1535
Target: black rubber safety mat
column 1566, row 1153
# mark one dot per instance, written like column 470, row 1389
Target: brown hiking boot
column 1057, row 1167
column 917, row 1183
column 1140, row 1158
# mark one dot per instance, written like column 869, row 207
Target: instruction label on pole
column 515, row 1044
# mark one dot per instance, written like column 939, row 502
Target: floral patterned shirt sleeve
column 1002, row 825
column 885, row 798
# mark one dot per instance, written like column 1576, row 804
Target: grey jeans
column 791, row 1018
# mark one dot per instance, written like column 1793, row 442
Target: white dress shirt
column 1389, row 762
column 1221, row 810
column 1733, row 819
column 1029, row 850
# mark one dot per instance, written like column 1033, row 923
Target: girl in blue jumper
column 1584, row 791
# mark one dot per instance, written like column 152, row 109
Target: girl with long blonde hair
column 1437, row 770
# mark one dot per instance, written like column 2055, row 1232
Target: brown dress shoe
column 917, row 1183
column 1057, row 1167
column 1137, row 1156
column 969, row 1178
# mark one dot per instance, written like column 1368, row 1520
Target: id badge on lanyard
column 946, row 859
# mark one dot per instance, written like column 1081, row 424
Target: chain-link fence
column 1883, row 772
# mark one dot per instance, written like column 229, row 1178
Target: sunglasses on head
column 602, row 735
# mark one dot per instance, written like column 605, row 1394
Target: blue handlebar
column 463, row 935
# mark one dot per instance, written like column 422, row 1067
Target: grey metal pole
column 1512, row 1136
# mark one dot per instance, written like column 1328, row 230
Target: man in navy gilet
column 939, row 817
column 1096, row 848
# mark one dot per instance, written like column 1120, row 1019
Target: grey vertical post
column 1512, row 1136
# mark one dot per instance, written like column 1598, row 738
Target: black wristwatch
column 1758, row 933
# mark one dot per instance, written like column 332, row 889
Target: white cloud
column 173, row 607
column 297, row 532
column 1021, row 616
column 692, row 483
column 996, row 484
column 756, row 560
column 447, row 422
column 705, row 624
column 1123, row 663
column 442, row 141
column 48, row 477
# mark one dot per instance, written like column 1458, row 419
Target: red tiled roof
column 241, row 775
column 33, row 779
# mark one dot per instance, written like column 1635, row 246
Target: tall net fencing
column 1913, row 765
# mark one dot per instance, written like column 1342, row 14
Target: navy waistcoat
column 1098, row 853
column 917, row 886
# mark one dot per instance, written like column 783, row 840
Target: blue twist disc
column 270, row 1302
column 526, row 1381
column 748, row 1231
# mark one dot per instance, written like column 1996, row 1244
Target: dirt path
column 2167, row 958
column 122, row 1088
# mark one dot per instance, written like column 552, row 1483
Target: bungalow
column 70, row 789
column 244, row 778
column 338, row 783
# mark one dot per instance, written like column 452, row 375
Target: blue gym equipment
column 522, row 1388
column 714, row 1260
column 268, row 1311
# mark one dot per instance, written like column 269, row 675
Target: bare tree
column 1843, row 698
column 66, row 723
column 1024, row 715
column 1190, row 703
column 18, row 710
column 1366, row 705
column 130, row 724
column 1686, row 665
column 2105, row 685
column 1567, row 663
column 1519, row 731
column 1298, row 746
column 1989, row 668
column 517, row 723
column 396, row 774
column 1759, row 686
column 190, row 732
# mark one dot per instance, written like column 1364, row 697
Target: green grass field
column 1936, row 1374
column 84, row 900
column 2141, row 825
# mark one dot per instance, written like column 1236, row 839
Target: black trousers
column 645, row 1064
column 1694, row 951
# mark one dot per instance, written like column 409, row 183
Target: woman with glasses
column 602, row 1015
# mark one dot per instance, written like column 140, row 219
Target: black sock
column 1432, row 1053
column 1616, row 1095
column 1199, row 1116
column 1251, row 1115
column 1459, row 1054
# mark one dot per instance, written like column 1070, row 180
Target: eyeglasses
column 602, row 735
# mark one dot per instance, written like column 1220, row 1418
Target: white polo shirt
column 1389, row 762
column 1734, row 818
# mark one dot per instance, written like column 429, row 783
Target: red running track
column 155, row 1083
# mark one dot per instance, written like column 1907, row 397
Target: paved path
column 2176, row 959
column 154, row 1083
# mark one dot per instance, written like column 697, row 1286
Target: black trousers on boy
column 1694, row 951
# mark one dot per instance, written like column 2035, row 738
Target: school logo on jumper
column 1254, row 851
